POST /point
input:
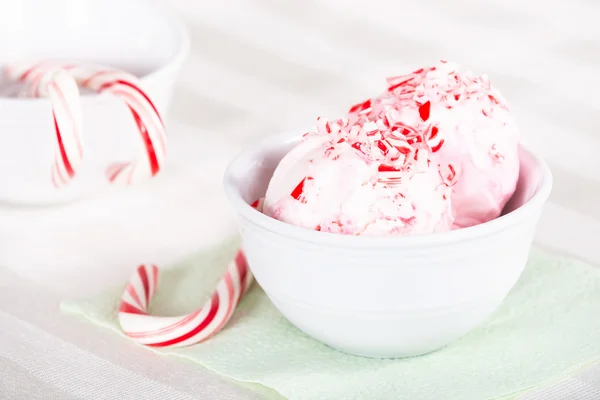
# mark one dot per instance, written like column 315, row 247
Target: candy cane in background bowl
column 152, row 47
column 58, row 82
column 62, row 91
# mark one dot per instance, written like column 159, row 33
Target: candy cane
column 187, row 329
column 62, row 90
column 66, row 113
column 119, row 83
column 147, row 118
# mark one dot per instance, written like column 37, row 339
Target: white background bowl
column 134, row 35
column 384, row 296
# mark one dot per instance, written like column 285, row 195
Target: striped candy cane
column 125, row 86
column 187, row 329
column 66, row 113
column 149, row 124
column 62, row 90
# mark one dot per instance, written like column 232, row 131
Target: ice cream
column 346, row 178
column 438, row 150
column 464, row 122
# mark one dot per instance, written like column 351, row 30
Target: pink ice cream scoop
column 437, row 151
column 465, row 123
column 346, row 178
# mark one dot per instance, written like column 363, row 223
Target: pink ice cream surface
column 466, row 123
column 437, row 150
column 348, row 179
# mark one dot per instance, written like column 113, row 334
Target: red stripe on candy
column 242, row 267
column 144, row 95
column 95, row 75
column 144, row 278
column 28, row 72
column 53, row 177
column 129, row 309
column 134, row 87
column 61, row 148
column 209, row 318
column 114, row 170
column 154, row 278
column 397, row 85
column 69, row 112
column 134, row 295
column 147, row 142
column 165, row 330
column 230, row 305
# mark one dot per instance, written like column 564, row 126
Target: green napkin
column 547, row 326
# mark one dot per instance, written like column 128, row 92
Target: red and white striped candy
column 125, row 86
column 150, row 126
column 62, row 90
column 187, row 329
column 66, row 113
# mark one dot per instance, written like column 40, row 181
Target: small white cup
column 383, row 296
column 135, row 35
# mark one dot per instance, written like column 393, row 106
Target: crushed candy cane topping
column 397, row 157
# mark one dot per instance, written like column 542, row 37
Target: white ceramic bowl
column 134, row 35
column 386, row 296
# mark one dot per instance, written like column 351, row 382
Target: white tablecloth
column 260, row 67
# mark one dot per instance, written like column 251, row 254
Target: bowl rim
column 249, row 155
column 170, row 66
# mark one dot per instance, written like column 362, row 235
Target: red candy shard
column 386, row 121
column 452, row 173
column 437, row 147
column 434, row 132
column 397, row 85
column 409, row 221
column 387, row 168
column 416, row 157
column 424, row 111
column 298, row 190
column 382, row 147
column 255, row 204
column 448, row 174
column 329, row 151
column 361, row 107
column 404, row 150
